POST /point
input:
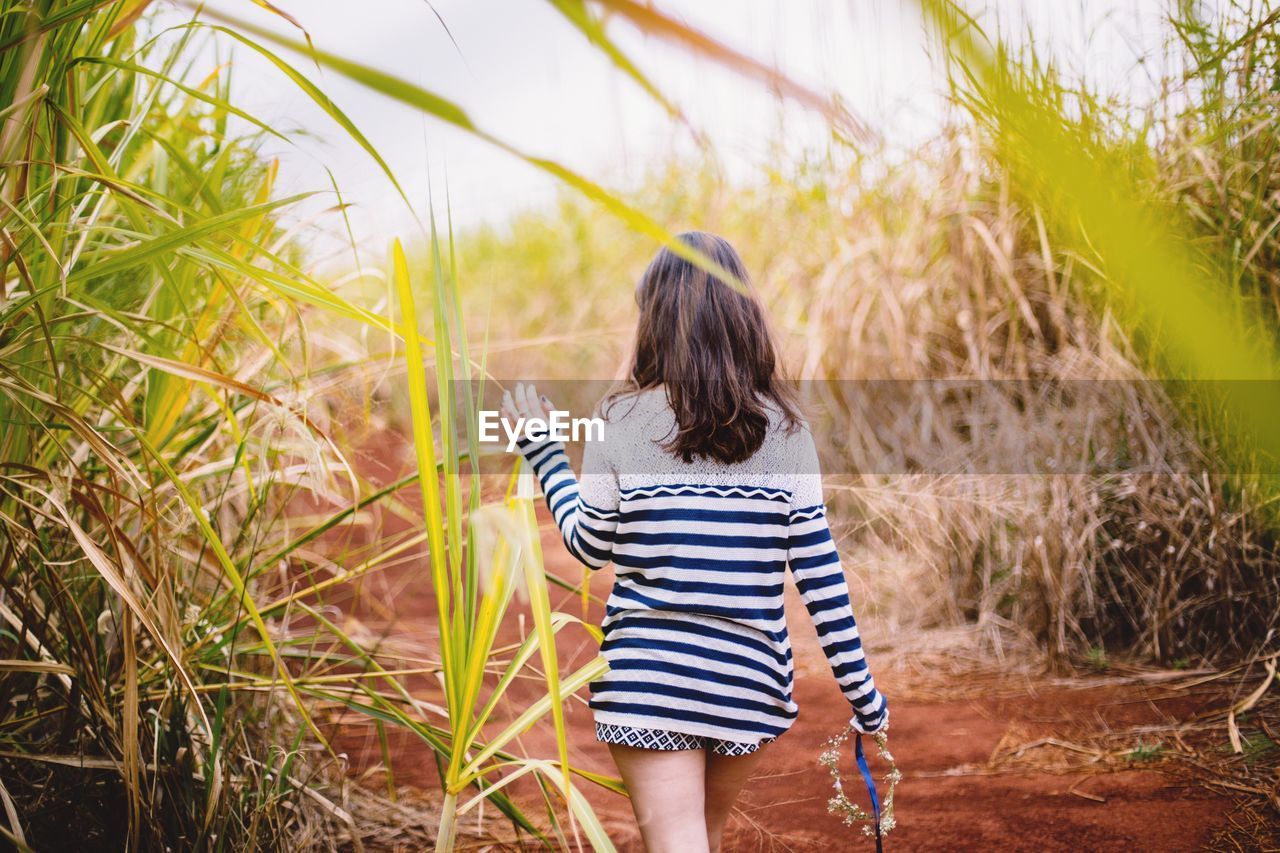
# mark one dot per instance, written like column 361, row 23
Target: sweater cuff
column 529, row 449
column 869, row 724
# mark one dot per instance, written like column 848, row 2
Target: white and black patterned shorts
column 670, row 741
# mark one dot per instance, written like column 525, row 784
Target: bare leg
column 725, row 778
column 666, row 796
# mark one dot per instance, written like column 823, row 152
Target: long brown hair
column 706, row 342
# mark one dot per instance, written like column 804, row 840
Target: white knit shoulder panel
column 638, row 426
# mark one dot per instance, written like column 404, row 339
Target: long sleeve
column 586, row 512
column 815, row 564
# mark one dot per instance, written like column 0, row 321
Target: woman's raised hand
column 525, row 403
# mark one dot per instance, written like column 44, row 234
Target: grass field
column 187, row 520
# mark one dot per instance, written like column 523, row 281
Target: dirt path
column 952, row 797
column 960, row 737
column 967, row 786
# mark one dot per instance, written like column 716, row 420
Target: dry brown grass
column 1146, row 545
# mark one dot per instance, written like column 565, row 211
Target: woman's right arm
column 820, row 579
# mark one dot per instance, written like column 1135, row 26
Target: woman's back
column 702, row 536
column 704, row 490
column 695, row 631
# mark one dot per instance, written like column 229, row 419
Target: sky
column 525, row 75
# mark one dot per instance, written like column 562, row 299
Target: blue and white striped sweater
column 695, row 633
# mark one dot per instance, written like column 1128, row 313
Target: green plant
column 144, row 278
column 165, row 637
column 471, row 598
column 965, row 261
column 1146, row 752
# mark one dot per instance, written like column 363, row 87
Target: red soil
column 953, row 795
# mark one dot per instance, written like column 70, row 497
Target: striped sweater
column 695, row 635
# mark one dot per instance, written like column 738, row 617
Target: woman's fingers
column 525, row 402
column 509, row 411
column 528, row 402
column 522, row 402
column 540, row 403
column 530, row 407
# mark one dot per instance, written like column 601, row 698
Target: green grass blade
column 424, row 444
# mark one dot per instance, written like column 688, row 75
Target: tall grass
column 471, row 605
column 141, row 255
column 178, row 516
column 155, row 430
column 982, row 257
column 174, row 508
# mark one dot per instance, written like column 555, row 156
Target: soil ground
column 990, row 760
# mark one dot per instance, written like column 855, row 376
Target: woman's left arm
column 586, row 511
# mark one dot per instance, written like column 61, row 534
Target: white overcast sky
column 524, row 74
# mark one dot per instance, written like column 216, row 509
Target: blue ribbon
column 871, row 788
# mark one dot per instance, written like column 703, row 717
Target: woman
column 704, row 490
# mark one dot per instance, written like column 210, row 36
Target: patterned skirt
column 669, row 741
